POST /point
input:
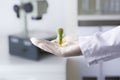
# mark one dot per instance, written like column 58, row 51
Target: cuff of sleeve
column 87, row 45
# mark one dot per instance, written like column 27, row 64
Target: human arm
column 102, row 46
column 70, row 46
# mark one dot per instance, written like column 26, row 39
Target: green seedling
column 60, row 36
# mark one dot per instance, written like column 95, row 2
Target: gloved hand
column 70, row 46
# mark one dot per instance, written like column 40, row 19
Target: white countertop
column 49, row 66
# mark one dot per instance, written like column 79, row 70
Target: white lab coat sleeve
column 102, row 46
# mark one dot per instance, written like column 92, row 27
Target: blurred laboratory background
column 20, row 19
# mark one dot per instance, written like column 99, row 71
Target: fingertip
column 34, row 40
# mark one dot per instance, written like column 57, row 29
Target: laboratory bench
column 16, row 68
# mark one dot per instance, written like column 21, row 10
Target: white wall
column 59, row 14
column 10, row 24
column 53, row 18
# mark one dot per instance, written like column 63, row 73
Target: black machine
column 20, row 44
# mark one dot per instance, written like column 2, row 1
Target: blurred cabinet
column 79, row 70
column 102, row 12
column 102, row 7
column 91, row 13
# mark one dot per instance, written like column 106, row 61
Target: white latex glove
column 70, row 46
